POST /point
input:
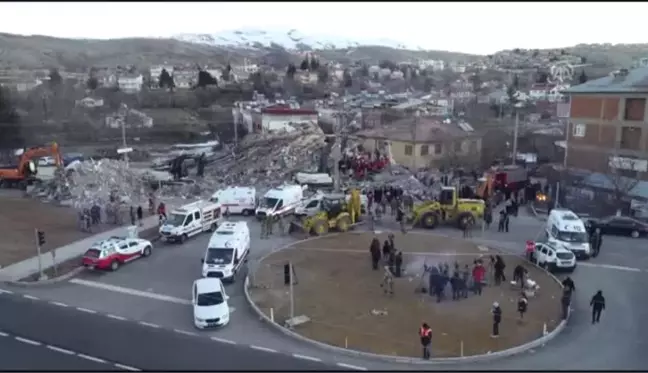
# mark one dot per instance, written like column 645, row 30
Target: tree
column 623, row 177
column 166, row 80
column 322, row 75
column 304, row 65
column 583, row 60
column 290, row 72
column 314, row 64
column 55, row 78
column 348, row 80
column 92, row 83
column 516, row 82
column 542, row 77
column 206, row 79
column 387, row 64
column 582, row 78
column 9, row 122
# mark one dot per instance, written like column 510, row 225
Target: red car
column 115, row 251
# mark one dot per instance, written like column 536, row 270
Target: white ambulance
column 226, row 252
column 565, row 229
column 282, row 200
column 238, row 200
column 190, row 220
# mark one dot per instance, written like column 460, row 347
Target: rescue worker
column 391, row 239
column 598, row 305
column 386, row 249
column 488, row 217
column 465, row 281
column 398, row 264
column 565, row 301
column 595, row 242
column 455, row 285
column 374, row 250
column 387, row 282
column 502, row 217
column 161, row 211
column 426, row 340
column 499, row 270
column 497, row 319
column 140, row 215
column 478, row 277
column 95, row 214
column 522, row 305
column 568, row 284
column 519, row 275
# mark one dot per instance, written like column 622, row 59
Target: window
column 438, row 148
column 630, row 138
column 579, row 130
column 408, row 150
column 132, row 244
column 189, row 220
column 634, row 109
column 196, row 215
column 425, row 150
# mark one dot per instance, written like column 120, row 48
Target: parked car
column 619, row 226
column 115, row 251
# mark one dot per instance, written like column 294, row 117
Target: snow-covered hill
column 289, row 39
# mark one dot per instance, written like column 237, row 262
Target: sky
column 481, row 28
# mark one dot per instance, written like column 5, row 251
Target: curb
column 398, row 359
column 51, row 281
column 536, row 214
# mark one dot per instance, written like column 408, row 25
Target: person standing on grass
column 496, row 311
column 598, row 305
column 425, row 333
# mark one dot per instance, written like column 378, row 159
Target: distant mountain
column 289, row 39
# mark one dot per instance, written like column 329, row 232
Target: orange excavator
column 26, row 168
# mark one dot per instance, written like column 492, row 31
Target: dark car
column 619, row 226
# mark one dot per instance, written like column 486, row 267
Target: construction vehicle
column 336, row 213
column 448, row 209
column 22, row 172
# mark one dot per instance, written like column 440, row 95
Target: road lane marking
column 85, row 310
column 349, row 366
column 304, row 357
column 61, row 350
column 129, row 291
column 91, row 358
column 126, row 367
column 30, row 297
column 223, row 340
column 3, row 334
column 610, row 266
column 59, row 304
column 180, row 331
column 149, row 324
column 115, row 317
column 5, row 292
column 260, row 348
column 28, row 341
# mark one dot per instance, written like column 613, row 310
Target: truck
column 509, row 178
column 190, row 220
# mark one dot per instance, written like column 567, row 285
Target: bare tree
column 623, row 176
column 460, row 153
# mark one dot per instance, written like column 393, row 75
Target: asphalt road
column 131, row 344
column 21, row 356
column 617, row 343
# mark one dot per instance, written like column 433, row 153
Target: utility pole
column 337, row 151
column 515, row 134
column 413, row 129
column 124, row 146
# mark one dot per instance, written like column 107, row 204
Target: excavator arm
column 41, row 151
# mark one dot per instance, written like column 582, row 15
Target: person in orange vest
column 530, row 248
column 426, row 339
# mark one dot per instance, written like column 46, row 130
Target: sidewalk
column 29, row 266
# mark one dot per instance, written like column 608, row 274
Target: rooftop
column 625, row 81
column 427, row 131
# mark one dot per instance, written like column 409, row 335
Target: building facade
column 608, row 125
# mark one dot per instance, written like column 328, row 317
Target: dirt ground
column 338, row 291
column 20, row 216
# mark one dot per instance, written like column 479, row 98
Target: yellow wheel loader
column 449, row 209
column 335, row 214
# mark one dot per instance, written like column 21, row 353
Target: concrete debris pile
column 270, row 159
column 94, row 182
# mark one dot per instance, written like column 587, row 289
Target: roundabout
column 346, row 308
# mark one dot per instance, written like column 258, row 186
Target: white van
column 239, row 200
column 280, row 201
column 565, row 229
column 226, row 252
column 190, row 220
